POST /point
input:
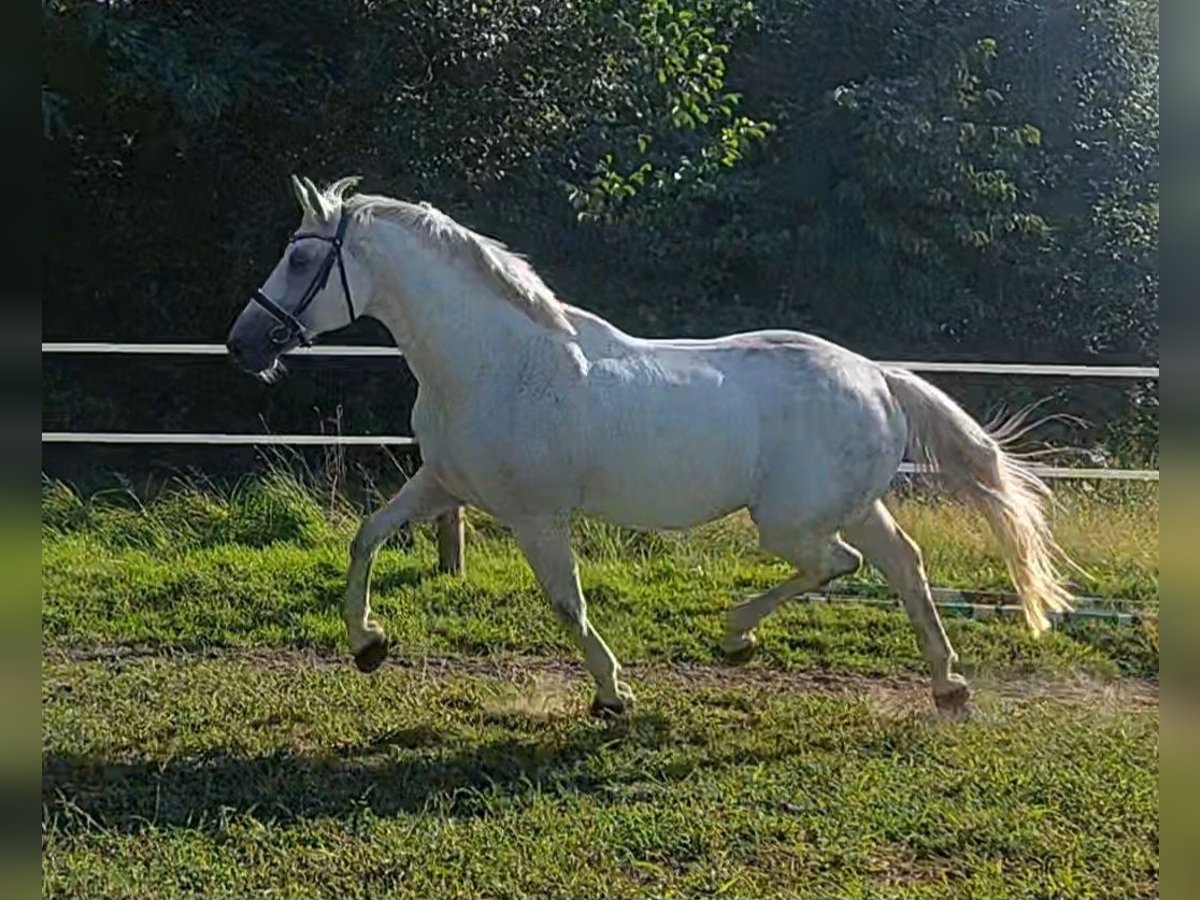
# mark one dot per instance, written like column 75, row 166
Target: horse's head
column 317, row 286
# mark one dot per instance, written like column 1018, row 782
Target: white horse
column 530, row 409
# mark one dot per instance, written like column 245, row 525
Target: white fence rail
column 365, row 440
column 161, row 438
column 1150, row 372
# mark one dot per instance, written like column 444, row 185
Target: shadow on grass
column 414, row 770
column 394, row 575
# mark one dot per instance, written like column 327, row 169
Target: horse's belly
column 644, row 510
column 678, row 485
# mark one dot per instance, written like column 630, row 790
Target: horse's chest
column 500, row 452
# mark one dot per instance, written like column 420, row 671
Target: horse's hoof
column 370, row 657
column 953, row 702
column 607, row 710
column 739, row 650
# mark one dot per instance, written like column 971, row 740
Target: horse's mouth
column 272, row 373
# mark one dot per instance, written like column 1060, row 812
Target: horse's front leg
column 420, row 499
column 546, row 543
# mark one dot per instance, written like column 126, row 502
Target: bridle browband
column 290, row 327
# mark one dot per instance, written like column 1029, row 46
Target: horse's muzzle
column 254, row 344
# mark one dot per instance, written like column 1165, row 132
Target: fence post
column 450, row 542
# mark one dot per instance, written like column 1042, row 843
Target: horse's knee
column 841, row 559
column 822, row 562
column 371, row 534
column 570, row 612
column 363, row 545
column 816, row 556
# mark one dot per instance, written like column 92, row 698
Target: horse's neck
column 452, row 334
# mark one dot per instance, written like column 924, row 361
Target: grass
column 266, row 568
column 171, row 778
column 272, row 768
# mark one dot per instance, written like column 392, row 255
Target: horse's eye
column 297, row 259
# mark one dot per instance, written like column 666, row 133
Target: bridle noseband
column 290, row 327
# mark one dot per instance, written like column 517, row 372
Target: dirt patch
column 546, row 683
column 543, row 697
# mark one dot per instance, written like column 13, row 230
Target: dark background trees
column 918, row 179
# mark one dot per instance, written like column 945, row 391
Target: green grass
column 200, row 778
column 1112, row 532
column 266, row 771
column 267, row 568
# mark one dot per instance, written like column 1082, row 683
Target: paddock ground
column 205, row 735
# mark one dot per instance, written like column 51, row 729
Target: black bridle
column 290, row 327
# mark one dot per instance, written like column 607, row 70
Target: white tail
column 1008, row 495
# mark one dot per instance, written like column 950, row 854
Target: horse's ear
column 301, row 197
column 316, row 199
column 343, row 186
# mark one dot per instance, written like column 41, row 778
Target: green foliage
column 944, row 180
column 936, row 172
column 680, row 43
column 1134, row 438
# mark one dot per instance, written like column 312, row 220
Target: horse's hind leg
column 817, row 560
column 899, row 558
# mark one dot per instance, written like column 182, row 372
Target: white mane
column 519, row 284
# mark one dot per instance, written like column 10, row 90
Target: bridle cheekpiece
column 290, row 327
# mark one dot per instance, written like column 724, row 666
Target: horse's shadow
column 413, row 770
